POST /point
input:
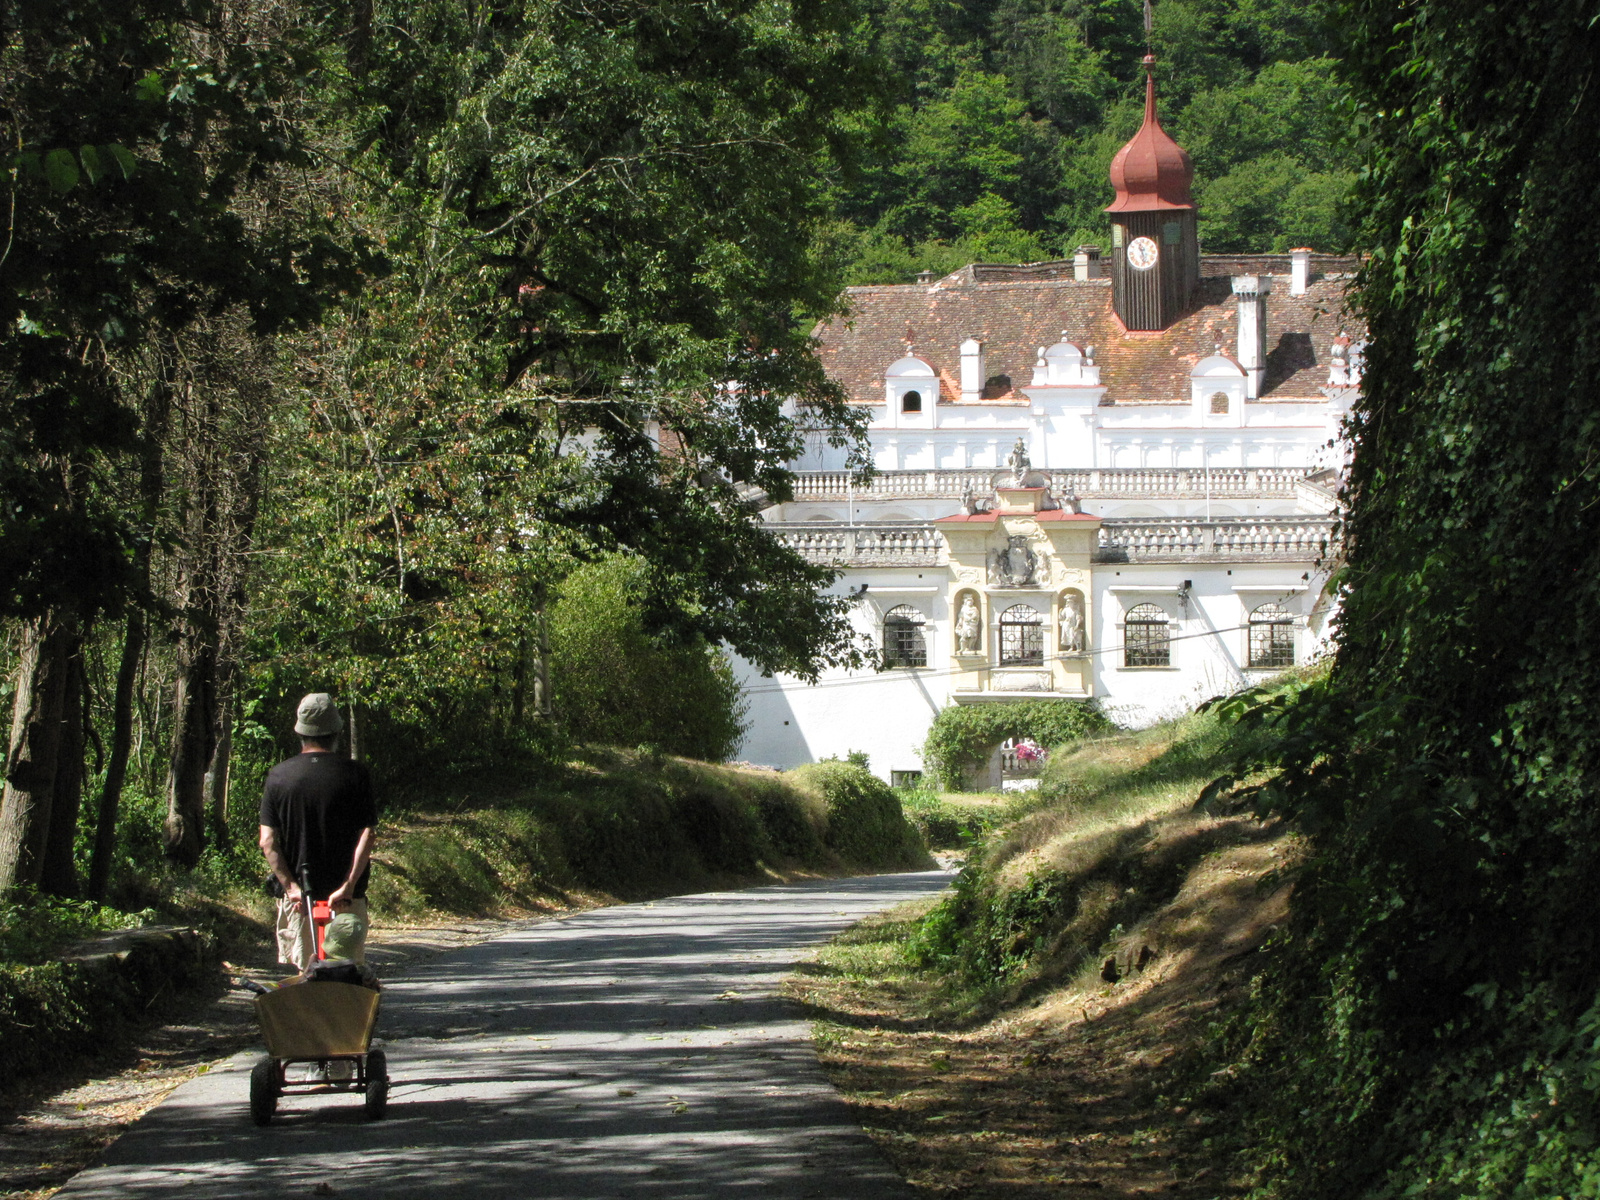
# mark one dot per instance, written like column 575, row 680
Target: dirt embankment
column 1039, row 1035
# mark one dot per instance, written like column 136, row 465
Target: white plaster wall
column 1210, row 635
column 886, row 714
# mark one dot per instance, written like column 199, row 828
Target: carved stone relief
column 1014, row 565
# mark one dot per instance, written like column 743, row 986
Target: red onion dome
column 1152, row 171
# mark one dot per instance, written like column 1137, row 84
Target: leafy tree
column 616, row 683
column 137, row 127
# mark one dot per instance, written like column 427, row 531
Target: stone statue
column 1017, row 460
column 968, row 626
column 1072, row 640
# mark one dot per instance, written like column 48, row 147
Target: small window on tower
column 911, row 402
column 1172, row 233
column 1219, row 402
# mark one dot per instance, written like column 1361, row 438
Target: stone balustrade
column 1227, row 538
column 865, row 545
column 1233, row 539
column 1186, row 483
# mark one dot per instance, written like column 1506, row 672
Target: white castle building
column 1111, row 477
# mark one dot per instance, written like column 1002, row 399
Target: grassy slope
column 1090, row 948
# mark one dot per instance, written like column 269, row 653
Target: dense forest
column 1007, row 113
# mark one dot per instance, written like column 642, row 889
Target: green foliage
column 632, row 825
column 963, row 736
column 951, row 822
column 1427, row 1026
column 53, row 1011
column 1012, row 111
column 34, row 926
column 615, row 683
column 136, row 129
column 865, row 823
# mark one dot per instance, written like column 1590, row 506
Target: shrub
column 964, row 735
column 615, row 682
column 866, row 824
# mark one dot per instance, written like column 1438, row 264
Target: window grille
column 1145, row 638
column 904, row 644
column 911, row 402
column 1021, row 637
column 1219, row 403
column 1271, row 637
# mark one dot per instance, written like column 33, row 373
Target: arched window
column 1144, row 637
column 903, row 642
column 1021, row 637
column 911, row 402
column 1271, row 637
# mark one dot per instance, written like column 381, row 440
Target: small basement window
column 911, row 402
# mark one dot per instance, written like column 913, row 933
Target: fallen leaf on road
column 730, row 996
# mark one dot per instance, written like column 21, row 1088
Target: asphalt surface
column 636, row 1051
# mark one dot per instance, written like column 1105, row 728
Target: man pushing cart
column 318, row 821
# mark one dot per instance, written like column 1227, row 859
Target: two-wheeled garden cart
column 322, row 1020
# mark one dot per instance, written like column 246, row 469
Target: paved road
column 637, row 1051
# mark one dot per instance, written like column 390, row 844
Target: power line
column 924, row 673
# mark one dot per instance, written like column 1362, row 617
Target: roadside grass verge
column 955, row 820
column 1049, row 1022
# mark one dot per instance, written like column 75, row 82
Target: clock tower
column 1155, row 248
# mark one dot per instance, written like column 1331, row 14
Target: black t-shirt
column 319, row 803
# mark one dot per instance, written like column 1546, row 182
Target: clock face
column 1142, row 254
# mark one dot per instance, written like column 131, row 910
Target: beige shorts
column 348, row 934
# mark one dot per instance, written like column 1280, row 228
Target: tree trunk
column 353, row 735
column 183, row 833
column 35, row 746
column 59, row 873
column 219, row 771
column 105, row 826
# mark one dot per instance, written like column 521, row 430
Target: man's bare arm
column 358, row 864
column 277, row 864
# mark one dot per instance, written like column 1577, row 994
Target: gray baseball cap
column 318, row 716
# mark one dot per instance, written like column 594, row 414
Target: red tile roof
column 1016, row 309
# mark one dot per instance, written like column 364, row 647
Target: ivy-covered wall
column 1429, row 1026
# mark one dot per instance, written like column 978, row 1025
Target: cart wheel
column 377, row 1084
column 263, row 1090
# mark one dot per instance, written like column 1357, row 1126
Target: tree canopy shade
column 637, row 188
column 132, row 128
column 1428, row 1029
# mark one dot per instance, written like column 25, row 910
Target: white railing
column 1157, row 482
column 1144, row 540
column 1232, row 538
column 864, row 545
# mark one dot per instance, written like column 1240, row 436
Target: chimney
column 1086, row 263
column 972, row 377
column 1251, row 291
column 925, row 277
column 1299, row 270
